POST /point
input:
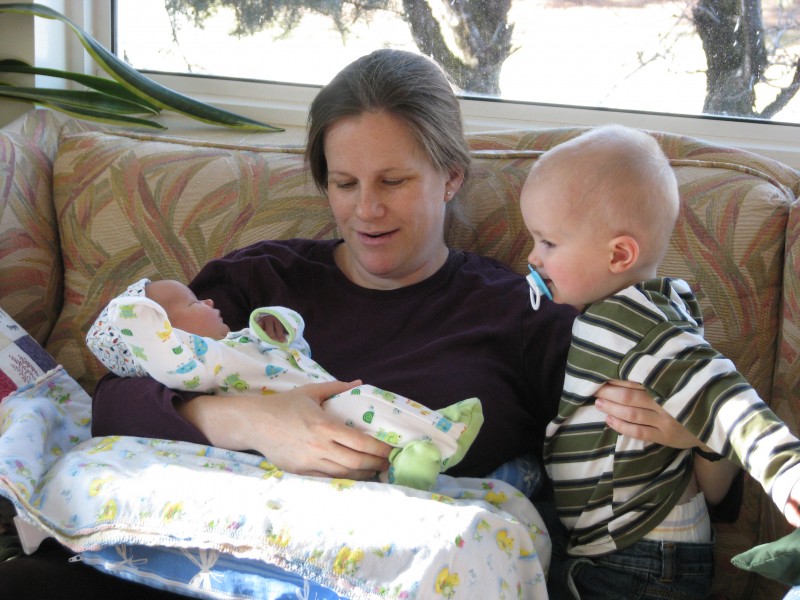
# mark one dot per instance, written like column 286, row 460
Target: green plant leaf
column 102, row 116
column 139, row 84
column 101, row 84
column 77, row 98
column 86, row 113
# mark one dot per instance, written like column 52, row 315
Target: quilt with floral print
column 469, row 538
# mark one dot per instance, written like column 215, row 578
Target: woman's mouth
column 375, row 235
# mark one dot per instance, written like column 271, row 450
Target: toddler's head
column 601, row 209
column 185, row 311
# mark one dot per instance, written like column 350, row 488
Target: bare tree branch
column 784, row 96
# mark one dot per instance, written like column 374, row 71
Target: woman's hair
column 405, row 85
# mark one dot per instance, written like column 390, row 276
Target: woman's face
column 388, row 201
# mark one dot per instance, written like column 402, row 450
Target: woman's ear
column 454, row 183
column 624, row 253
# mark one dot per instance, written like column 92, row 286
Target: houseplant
column 127, row 98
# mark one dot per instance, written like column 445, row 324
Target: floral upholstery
column 29, row 245
column 128, row 210
column 128, row 206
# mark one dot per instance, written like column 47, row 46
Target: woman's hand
column 633, row 412
column 291, row 430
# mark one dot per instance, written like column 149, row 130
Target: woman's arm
column 289, row 429
column 141, row 406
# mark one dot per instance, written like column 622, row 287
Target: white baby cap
column 105, row 343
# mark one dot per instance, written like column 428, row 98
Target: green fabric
column 418, row 463
column 470, row 413
column 778, row 560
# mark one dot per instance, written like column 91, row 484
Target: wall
column 41, row 42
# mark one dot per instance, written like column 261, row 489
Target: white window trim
column 288, row 104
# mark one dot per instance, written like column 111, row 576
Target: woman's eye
column 344, row 185
column 393, row 182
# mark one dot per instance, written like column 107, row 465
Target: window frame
column 287, row 104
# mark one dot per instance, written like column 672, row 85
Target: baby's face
column 185, row 311
column 571, row 257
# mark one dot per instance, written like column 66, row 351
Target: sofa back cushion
column 29, row 246
column 134, row 206
column 31, row 278
column 129, row 209
column 786, row 392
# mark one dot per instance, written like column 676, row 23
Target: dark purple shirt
column 468, row 330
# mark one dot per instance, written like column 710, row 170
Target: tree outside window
column 737, row 58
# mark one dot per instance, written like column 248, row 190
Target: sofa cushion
column 31, row 251
column 135, row 206
column 728, row 242
column 31, row 279
column 779, row 560
column 787, row 373
column 129, row 209
column 132, row 206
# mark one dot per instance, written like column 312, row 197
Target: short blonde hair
column 619, row 179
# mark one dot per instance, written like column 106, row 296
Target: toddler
column 601, row 209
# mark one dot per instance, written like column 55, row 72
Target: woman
column 389, row 302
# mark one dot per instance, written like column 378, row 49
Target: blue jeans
column 524, row 472
column 647, row 570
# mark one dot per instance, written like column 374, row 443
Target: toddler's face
column 185, row 311
column 571, row 257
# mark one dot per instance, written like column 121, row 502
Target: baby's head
column 185, row 311
column 601, row 209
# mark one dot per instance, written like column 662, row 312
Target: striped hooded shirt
column 610, row 489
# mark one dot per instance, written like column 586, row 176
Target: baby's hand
column 792, row 509
column 272, row 327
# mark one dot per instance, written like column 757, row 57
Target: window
column 639, row 54
column 680, row 65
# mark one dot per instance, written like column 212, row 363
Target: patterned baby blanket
column 469, row 538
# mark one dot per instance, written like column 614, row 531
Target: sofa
column 86, row 209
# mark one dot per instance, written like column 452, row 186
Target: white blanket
column 469, row 538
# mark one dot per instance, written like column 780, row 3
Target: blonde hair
column 619, row 180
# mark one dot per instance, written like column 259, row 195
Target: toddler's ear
column 624, row 253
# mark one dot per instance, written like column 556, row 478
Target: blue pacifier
column 538, row 288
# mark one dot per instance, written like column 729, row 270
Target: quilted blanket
column 111, row 498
